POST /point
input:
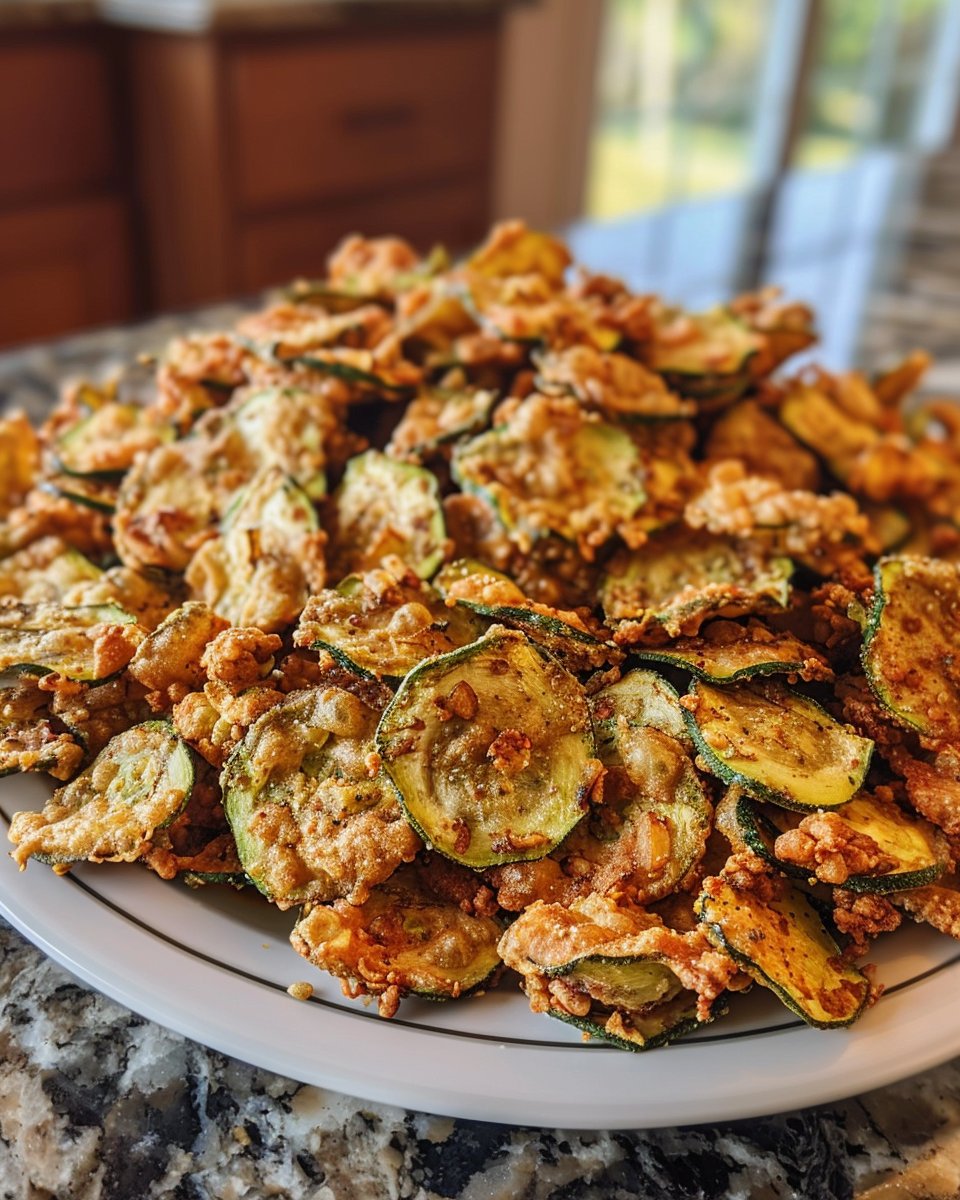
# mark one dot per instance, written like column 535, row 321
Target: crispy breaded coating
column 933, row 788
column 937, row 904
column 862, row 917
column 169, row 660
column 369, row 266
column 19, row 460
column 550, row 935
column 820, row 531
column 825, row 845
column 240, row 658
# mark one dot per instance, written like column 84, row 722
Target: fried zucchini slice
column 776, row 744
column 137, row 784
column 711, row 362
column 386, row 507
column 19, row 459
column 618, row 386
column 553, row 469
column 777, row 937
column 491, row 750
column 469, row 584
column 100, row 495
column 310, row 820
column 259, row 571
column 909, row 647
column 682, row 578
column 382, row 626
column 749, row 433
column 86, row 643
column 171, row 499
column 639, row 700
column 728, row 653
column 513, row 249
column 104, row 444
column 613, row 971
column 834, row 435
column 651, row 829
column 402, row 937
column 45, row 571
column 918, row 850
column 439, row 416
column 37, row 746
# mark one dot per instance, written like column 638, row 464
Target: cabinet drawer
column 56, row 135
column 277, row 249
column 342, row 115
column 64, row 268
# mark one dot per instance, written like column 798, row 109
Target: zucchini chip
column 382, row 624
column 171, row 499
column 641, row 699
column 100, row 495
column 711, row 362
column 750, row 434
column 386, row 507
column 906, row 852
column 439, row 416
column 552, row 468
column 682, row 578
column 261, row 569
column 651, row 829
column 618, row 386
column 137, row 784
column 468, row 584
column 104, row 444
column 38, row 746
column 310, row 820
column 87, row 643
column 773, row 932
column 404, row 939
column 615, row 971
column 491, row 750
column 513, row 249
column 834, row 435
column 727, row 653
column 910, row 645
column 45, row 571
column 777, row 745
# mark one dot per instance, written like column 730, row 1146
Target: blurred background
column 158, row 155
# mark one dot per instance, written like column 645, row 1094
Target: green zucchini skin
column 310, row 824
column 406, row 936
column 781, row 943
column 908, row 644
column 760, row 829
column 98, row 495
column 807, row 790
column 40, row 639
column 103, row 815
column 393, row 507
column 706, row 662
column 667, row 1023
column 445, row 768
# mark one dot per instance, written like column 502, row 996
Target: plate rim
column 532, row 1084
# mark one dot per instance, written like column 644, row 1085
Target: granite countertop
column 97, row 1103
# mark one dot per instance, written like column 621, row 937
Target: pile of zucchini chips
column 487, row 614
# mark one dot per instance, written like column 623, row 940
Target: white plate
column 215, row 964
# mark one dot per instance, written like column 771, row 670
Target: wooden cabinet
column 256, row 154
column 65, row 248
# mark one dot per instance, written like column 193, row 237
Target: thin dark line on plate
column 363, row 1015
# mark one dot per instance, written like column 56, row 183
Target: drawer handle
column 373, row 120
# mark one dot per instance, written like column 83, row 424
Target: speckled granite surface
column 98, row 1104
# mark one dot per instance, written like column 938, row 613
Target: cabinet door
column 57, row 132
column 346, row 115
column 63, row 268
